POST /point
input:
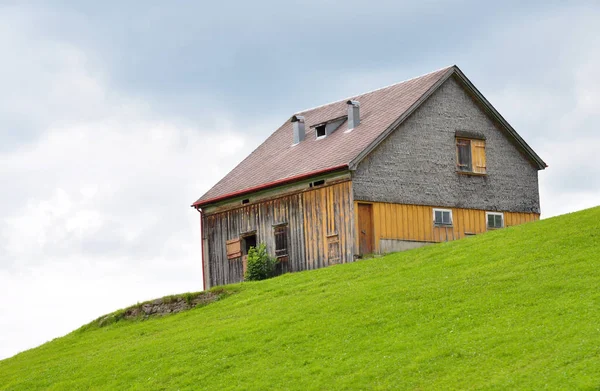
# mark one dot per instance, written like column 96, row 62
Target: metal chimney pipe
column 298, row 125
column 353, row 114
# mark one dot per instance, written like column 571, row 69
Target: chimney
column 298, row 124
column 353, row 114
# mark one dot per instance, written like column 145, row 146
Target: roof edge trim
column 370, row 92
column 354, row 163
column 199, row 204
column 454, row 70
column 492, row 110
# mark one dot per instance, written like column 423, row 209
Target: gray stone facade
column 416, row 164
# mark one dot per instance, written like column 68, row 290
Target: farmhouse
column 422, row 161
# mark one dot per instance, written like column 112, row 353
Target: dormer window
column 320, row 130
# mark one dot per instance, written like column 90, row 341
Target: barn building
column 422, row 161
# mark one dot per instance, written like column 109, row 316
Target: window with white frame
column 442, row 217
column 494, row 220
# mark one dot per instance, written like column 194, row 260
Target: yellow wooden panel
column 460, row 223
column 377, row 211
column 416, row 234
column 382, row 216
column 404, row 227
column 478, row 156
column 467, row 226
column 418, row 227
column 482, row 222
column 428, row 223
column 356, row 234
column 455, row 222
column 389, row 230
column 389, row 225
column 478, row 228
column 415, row 222
column 508, row 219
column 392, row 219
column 394, row 225
column 411, row 224
column 384, row 220
column 416, row 216
column 474, row 222
column 422, row 222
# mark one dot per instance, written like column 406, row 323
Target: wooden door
column 365, row 229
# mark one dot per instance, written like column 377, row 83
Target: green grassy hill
column 517, row 308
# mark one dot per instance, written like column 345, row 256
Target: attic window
column 320, row 130
column 246, row 201
column 317, row 183
column 470, row 154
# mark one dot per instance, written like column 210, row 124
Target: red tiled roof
column 277, row 161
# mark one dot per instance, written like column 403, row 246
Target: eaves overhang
column 201, row 203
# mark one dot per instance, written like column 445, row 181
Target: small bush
column 260, row 265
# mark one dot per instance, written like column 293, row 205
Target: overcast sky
column 116, row 116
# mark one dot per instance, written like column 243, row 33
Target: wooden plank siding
column 260, row 218
column 328, row 214
column 320, row 231
column 415, row 222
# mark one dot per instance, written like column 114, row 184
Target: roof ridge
column 375, row 90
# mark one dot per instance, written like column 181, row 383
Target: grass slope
column 517, row 308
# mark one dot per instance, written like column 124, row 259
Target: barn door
column 365, row 229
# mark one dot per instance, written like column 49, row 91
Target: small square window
column 442, row 217
column 320, row 130
column 495, row 220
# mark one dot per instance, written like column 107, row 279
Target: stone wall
column 416, row 164
column 166, row 306
column 161, row 307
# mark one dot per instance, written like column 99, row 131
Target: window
column 281, row 240
column 463, row 150
column 470, row 155
column 494, row 220
column 317, row 183
column 320, row 130
column 249, row 241
column 442, row 217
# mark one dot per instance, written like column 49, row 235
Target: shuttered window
column 463, row 150
column 478, row 153
column 234, row 248
column 470, row 154
column 281, row 240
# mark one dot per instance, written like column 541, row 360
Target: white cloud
column 548, row 88
column 96, row 212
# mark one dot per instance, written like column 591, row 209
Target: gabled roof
column 277, row 161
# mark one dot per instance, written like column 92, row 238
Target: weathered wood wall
column 415, row 222
column 261, row 217
column 328, row 227
column 320, row 231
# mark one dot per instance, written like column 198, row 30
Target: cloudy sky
column 115, row 117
